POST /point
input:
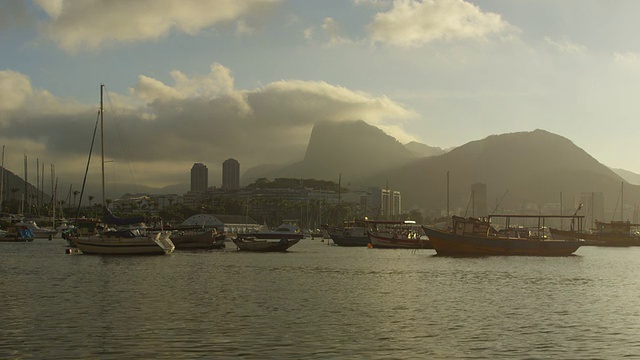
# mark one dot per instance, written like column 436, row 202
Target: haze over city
column 203, row 81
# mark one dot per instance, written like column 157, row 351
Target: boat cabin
column 614, row 227
column 470, row 226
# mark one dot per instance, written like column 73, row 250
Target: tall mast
column 104, row 199
column 2, row 179
column 26, row 188
column 622, row 201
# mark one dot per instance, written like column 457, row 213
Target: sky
column 206, row 80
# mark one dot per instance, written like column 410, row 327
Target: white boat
column 38, row 232
column 120, row 242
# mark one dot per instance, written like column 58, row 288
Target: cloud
column 564, row 45
column 412, row 23
column 627, row 58
column 75, row 25
column 200, row 117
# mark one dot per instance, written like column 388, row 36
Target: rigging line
column 121, row 138
column 84, row 181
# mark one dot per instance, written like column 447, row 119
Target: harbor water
column 317, row 301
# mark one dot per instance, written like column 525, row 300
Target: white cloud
column 334, row 32
column 413, row 23
column 565, row 45
column 627, row 58
column 91, row 23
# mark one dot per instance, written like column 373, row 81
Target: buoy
column 369, row 246
column 77, row 251
column 68, row 251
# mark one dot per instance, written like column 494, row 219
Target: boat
column 248, row 243
column 284, row 231
column 476, row 237
column 613, row 233
column 617, row 233
column 355, row 233
column 16, row 234
column 199, row 238
column 38, row 232
column 399, row 234
column 123, row 241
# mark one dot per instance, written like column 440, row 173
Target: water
column 317, row 301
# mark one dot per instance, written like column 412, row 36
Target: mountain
column 423, row 150
column 16, row 183
column 628, row 176
column 531, row 167
column 354, row 149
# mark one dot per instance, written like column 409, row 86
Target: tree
column 75, row 194
column 91, row 197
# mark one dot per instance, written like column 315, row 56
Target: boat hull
column 209, row 239
column 349, row 236
column 393, row 241
column 263, row 245
column 449, row 244
column 155, row 244
column 621, row 240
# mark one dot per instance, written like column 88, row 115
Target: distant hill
column 353, row 149
column 532, row 167
column 13, row 181
column 423, row 150
column 628, row 176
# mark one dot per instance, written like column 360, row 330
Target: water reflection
column 317, row 301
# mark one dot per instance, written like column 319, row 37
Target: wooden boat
column 264, row 245
column 475, row 237
column 119, row 242
column 198, row 239
column 399, row 235
column 614, row 233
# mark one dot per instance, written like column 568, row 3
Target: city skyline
column 249, row 70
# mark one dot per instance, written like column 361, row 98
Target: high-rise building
column 479, row 191
column 231, row 174
column 199, row 177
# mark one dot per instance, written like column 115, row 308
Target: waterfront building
column 231, row 174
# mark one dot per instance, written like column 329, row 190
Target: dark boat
column 355, row 233
column 284, row 231
column 614, row 233
column 398, row 234
column 198, row 239
column 475, row 237
column 248, row 243
column 17, row 234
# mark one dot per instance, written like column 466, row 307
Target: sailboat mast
column 104, row 199
column 622, row 201
column 2, row 180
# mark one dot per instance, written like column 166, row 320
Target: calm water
column 317, row 301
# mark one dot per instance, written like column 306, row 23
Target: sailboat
column 125, row 241
column 613, row 233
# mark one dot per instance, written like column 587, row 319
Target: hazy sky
column 202, row 81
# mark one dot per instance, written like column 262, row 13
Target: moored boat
column 351, row 234
column 16, row 234
column 284, row 231
column 475, row 237
column 207, row 238
column 38, row 232
column 399, row 235
column 614, row 233
column 248, row 243
column 124, row 241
